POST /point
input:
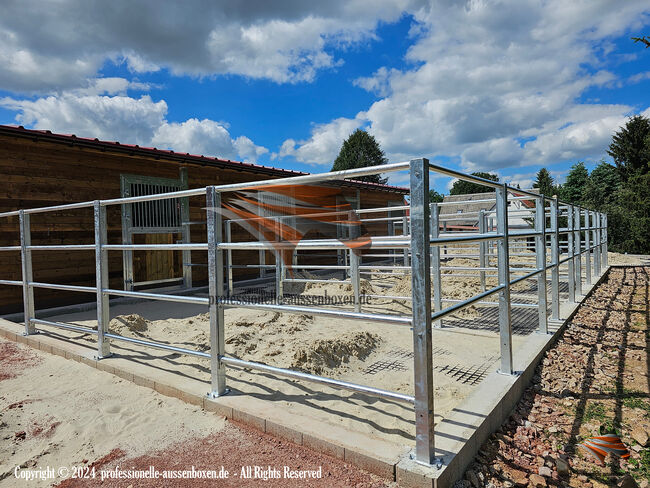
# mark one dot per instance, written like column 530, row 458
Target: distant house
column 464, row 215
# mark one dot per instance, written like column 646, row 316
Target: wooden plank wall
column 37, row 173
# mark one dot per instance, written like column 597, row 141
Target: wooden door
column 156, row 265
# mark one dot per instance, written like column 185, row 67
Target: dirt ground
column 594, row 381
column 58, row 413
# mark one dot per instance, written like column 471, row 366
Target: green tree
column 604, row 181
column 435, row 197
column 360, row 150
column 630, row 147
column 574, row 188
column 628, row 210
column 461, row 187
column 544, row 182
column 628, row 216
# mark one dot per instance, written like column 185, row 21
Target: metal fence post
column 577, row 249
column 604, row 238
column 27, row 274
column 279, row 269
column 187, row 231
column 101, row 279
column 421, row 295
column 595, row 223
column 555, row 257
column 587, row 248
column 540, row 255
column 571, row 255
column 434, row 230
column 215, row 287
column 482, row 248
column 503, row 257
column 262, row 259
column 354, row 265
column 405, row 231
column 229, row 256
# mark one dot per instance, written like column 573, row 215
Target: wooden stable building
column 41, row 169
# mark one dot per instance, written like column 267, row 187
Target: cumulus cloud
column 324, row 143
column 286, row 41
column 130, row 120
column 378, row 83
column 498, row 83
column 123, row 118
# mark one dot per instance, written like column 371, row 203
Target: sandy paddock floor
column 58, row 413
column 367, row 353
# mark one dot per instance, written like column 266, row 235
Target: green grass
column 640, row 468
column 636, row 401
column 595, row 411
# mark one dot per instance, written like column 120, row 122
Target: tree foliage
column 461, row 187
column 544, row 182
column 573, row 190
column 435, row 197
column 360, row 150
column 630, row 147
column 604, row 181
column 628, row 216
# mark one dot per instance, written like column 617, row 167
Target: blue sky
column 500, row 86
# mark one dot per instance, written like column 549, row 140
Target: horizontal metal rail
column 465, row 303
column 158, row 345
column 157, row 296
column 334, row 383
column 158, row 196
column 162, row 281
column 527, row 276
column 10, row 248
column 325, row 312
column 53, row 208
column 316, row 177
column 69, row 247
column 156, row 247
column 11, row 282
column 54, row 286
column 62, row 325
column 302, row 280
column 512, row 304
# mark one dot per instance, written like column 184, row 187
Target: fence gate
column 155, row 222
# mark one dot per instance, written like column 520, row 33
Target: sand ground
column 62, row 414
column 55, row 412
column 365, row 353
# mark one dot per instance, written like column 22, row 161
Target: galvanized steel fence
column 419, row 247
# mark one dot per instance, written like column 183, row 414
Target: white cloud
column 116, row 118
column 639, row 77
column 205, row 137
column 378, row 83
column 247, row 149
column 286, row 41
column 498, row 83
column 130, row 120
column 324, row 143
